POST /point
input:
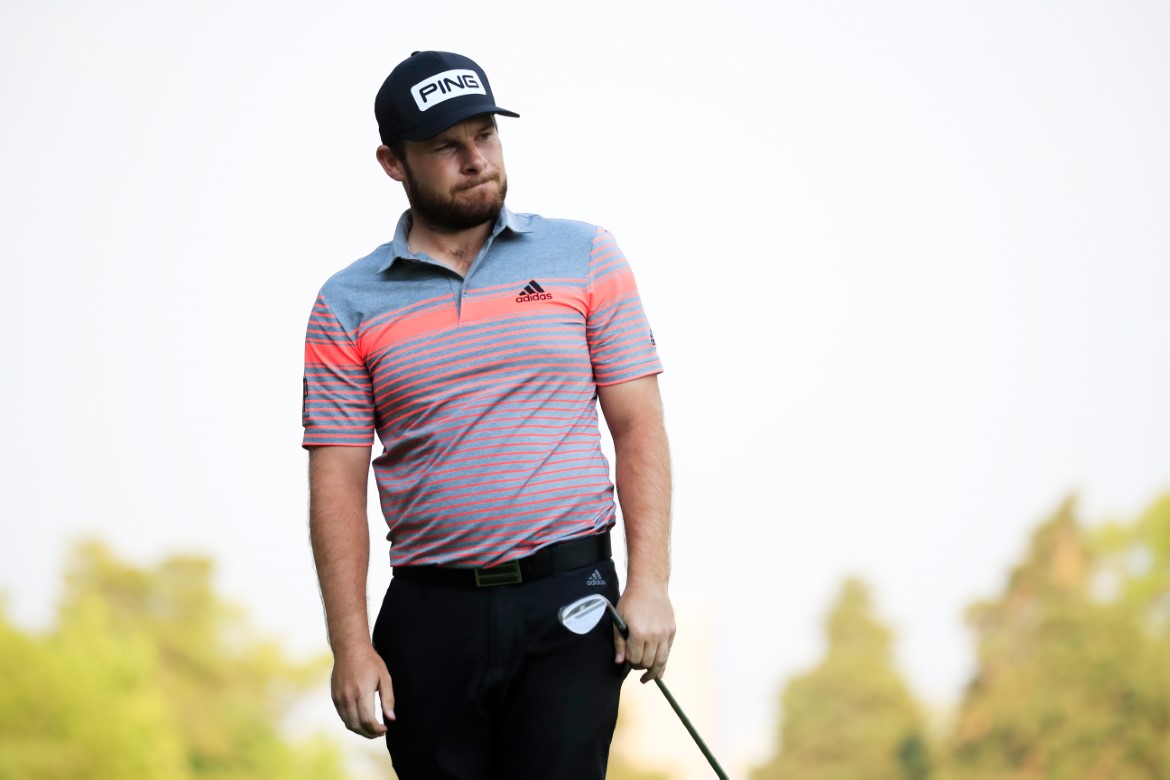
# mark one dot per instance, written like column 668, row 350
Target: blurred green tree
column 1069, row 687
column 149, row 674
column 852, row 717
column 1134, row 562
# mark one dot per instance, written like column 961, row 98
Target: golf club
column 583, row 614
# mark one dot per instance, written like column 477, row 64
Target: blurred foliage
column 1072, row 684
column 1134, row 566
column 148, row 674
column 852, row 717
column 1073, row 678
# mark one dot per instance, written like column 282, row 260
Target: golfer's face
column 463, row 165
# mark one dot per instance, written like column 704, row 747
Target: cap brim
column 440, row 122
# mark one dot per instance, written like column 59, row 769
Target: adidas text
column 533, row 292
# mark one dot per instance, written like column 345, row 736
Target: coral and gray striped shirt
column 482, row 389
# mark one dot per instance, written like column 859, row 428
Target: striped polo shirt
column 482, row 390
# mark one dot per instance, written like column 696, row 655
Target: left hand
column 650, row 618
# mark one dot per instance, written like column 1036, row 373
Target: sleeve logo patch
column 430, row 92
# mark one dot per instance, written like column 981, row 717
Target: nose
column 473, row 160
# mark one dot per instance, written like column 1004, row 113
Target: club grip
column 617, row 621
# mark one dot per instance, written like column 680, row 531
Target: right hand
column 357, row 675
column 650, row 619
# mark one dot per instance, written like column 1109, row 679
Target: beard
column 467, row 207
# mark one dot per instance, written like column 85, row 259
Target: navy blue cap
column 429, row 92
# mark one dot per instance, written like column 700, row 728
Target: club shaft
column 625, row 631
column 694, row 734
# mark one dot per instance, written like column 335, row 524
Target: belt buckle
column 504, row 574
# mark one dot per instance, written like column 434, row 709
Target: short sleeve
column 338, row 394
column 621, row 344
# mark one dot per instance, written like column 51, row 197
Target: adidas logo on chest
column 533, row 292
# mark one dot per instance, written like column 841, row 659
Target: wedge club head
column 583, row 615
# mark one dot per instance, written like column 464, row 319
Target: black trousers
column 489, row 686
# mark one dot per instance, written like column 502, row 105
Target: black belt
column 545, row 562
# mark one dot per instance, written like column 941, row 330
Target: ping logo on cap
column 444, row 86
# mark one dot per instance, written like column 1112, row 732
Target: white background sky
column 907, row 265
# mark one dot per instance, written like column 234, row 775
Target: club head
column 584, row 614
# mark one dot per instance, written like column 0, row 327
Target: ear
column 391, row 164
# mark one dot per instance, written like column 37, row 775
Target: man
column 476, row 345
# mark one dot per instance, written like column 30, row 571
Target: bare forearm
column 643, row 485
column 633, row 411
column 342, row 560
column 338, row 477
column 341, row 550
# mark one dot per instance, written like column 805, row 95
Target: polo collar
column 399, row 249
